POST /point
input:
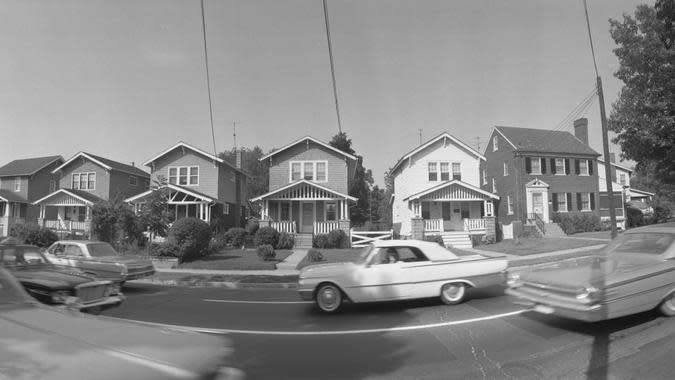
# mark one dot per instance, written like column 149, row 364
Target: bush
column 266, row 252
column 320, row 241
column 338, row 239
column 436, row 239
column 164, row 249
column 33, row 234
column 314, row 256
column 286, row 241
column 266, row 236
column 236, row 236
column 218, row 243
column 252, row 226
column 662, row 214
column 575, row 222
column 634, row 217
column 192, row 236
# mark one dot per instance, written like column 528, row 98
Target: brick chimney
column 581, row 129
column 238, row 159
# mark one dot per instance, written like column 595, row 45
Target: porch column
column 7, row 209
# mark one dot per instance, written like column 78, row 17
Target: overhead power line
column 208, row 78
column 332, row 65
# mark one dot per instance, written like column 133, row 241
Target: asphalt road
column 277, row 336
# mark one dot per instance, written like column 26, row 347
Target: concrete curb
column 220, row 284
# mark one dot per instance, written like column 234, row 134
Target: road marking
column 260, row 302
column 334, row 332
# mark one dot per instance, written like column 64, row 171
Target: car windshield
column 10, row 289
column 646, row 242
column 13, row 257
column 101, row 250
column 363, row 255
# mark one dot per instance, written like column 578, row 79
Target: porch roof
column 453, row 190
column 8, row 196
column 303, row 190
column 68, row 197
column 177, row 194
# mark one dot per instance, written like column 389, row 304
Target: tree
column 112, row 221
column 644, row 179
column 155, row 215
column 643, row 117
column 258, row 182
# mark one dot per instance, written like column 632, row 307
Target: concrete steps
column 457, row 239
column 303, row 241
column 554, row 230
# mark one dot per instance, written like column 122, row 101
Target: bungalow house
column 538, row 173
column 197, row 184
column 84, row 180
column 437, row 192
column 21, row 183
column 309, row 183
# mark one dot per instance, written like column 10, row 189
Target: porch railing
column 474, row 224
column 433, row 225
column 284, row 226
column 326, row 227
column 66, row 225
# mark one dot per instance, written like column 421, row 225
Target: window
column 321, row 171
column 133, row 181
column 75, row 184
column 17, row 184
column 296, row 169
column 484, row 177
column 83, row 181
column 560, row 166
column 184, row 175
column 494, row 186
column 506, row 168
column 456, row 171
column 285, row 213
column 331, row 211
column 309, row 170
column 560, row 200
column 583, row 167
column 584, row 201
column 445, row 171
column 52, row 186
column 509, row 205
column 535, row 167
column 226, row 209
column 622, row 179
column 495, row 143
column 433, row 175
column 91, row 180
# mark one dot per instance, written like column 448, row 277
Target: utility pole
column 608, row 164
column 420, row 132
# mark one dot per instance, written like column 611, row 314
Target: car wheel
column 668, row 305
column 328, row 298
column 453, row 293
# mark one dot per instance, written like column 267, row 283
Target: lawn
column 529, row 246
column 594, row 235
column 333, row 256
column 236, row 259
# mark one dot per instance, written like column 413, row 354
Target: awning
column 303, row 190
column 68, row 197
column 452, row 191
column 176, row 195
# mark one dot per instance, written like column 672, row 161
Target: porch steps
column 457, row 239
column 554, row 230
column 303, row 241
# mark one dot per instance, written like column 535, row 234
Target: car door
column 380, row 279
column 56, row 255
column 417, row 272
column 74, row 256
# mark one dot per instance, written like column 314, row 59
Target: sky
column 126, row 79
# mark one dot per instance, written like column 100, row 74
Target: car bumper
column 544, row 305
column 136, row 276
column 108, row 302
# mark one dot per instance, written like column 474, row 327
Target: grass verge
column 236, row 259
column 344, row 255
column 530, row 246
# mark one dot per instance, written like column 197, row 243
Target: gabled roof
column 84, row 196
column 544, row 141
column 204, row 153
column 617, row 165
column 106, row 164
column 640, row 192
column 27, row 166
column 442, row 136
column 310, row 138
column 306, row 183
column 182, row 189
column 448, row 184
column 9, row 196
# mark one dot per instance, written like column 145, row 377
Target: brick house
column 84, row 180
column 198, row 184
column 437, row 192
column 309, row 183
column 21, row 183
column 538, row 172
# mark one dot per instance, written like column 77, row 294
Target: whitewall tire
column 453, row 293
column 328, row 298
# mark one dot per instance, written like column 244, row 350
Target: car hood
column 123, row 260
column 37, row 341
column 577, row 274
column 49, row 276
column 324, row 270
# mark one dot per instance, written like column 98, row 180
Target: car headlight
column 60, row 296
column 589, row 294
column 513, row 279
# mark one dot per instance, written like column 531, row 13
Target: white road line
column 335, row 332
column 260, row 302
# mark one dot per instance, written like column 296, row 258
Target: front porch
column 13, row 210
column 67, row 212
column 181, row 202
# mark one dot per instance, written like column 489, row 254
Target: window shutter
column 567, row 166
column 577, row 168
column 569, row 201
column 592, row 196
column 552, row 165
column 555, row 201
column 579, row 201
column 543, row 165
column 590, row 167
column 528, row 165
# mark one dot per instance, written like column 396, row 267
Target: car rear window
column 101, row 250
column 648, row 243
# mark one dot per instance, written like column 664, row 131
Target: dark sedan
column 57, row 286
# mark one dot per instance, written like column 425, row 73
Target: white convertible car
column 399, row 269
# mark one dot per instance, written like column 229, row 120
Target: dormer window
column 316, row 171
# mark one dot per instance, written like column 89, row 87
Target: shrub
column 252, row 226
column 218, row 243
column 634, row 217
column 286, row 241
column 320, row 241
column 192, row 236
column 164, row 249
column 266, row 236
column 314, row 256
column 33, row 234
column 266, row 252
column 574, row 222
column 235, row 236
column 662, row 214
column 436, row 239
column 338, row 239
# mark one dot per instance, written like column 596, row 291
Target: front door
column 446, row 213
column 538, row 204
column 307, row 217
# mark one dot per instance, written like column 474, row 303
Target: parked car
column 99, row 259
column 399, row 269
column 40, row 342
column 634, row 273
column 57, row 286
